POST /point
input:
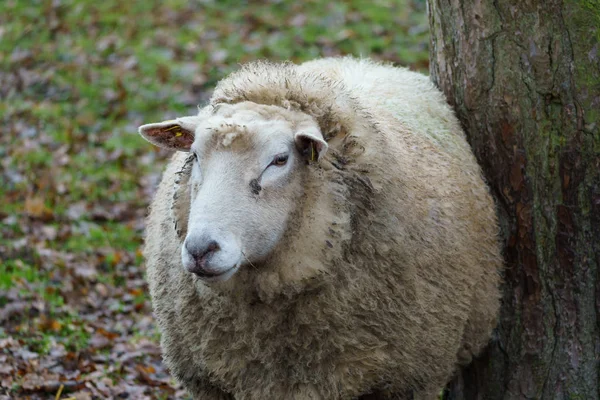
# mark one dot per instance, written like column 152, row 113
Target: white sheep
column 324, row 232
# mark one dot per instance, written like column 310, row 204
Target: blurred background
column 77, row 77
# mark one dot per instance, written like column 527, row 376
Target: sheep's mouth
column 210, row 274
column 217, row 276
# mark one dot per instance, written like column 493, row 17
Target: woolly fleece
column 388, row 275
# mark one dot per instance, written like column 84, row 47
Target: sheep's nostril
column 212, row 247
column 201, row 251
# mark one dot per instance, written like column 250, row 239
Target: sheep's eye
column 280, row 160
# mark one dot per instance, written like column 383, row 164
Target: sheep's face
column 245, row 182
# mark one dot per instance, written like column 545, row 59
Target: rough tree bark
column 524, row 79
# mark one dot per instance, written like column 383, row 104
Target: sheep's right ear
column 310, row 142
column 176, row 134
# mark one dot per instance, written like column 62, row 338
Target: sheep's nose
column 201, row 251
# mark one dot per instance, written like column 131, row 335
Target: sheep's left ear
column 176, row 134
column 310, row 143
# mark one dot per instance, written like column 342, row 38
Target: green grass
column 12, row 271
column 58, row 324
column 98, row 69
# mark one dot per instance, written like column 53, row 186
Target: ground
column 76, row 79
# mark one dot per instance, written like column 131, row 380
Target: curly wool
column 397, row 229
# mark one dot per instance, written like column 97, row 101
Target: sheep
column 322, row 232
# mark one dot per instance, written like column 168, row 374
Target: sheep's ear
column 310, row 143
column 176, row 134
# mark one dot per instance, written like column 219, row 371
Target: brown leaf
column 107, row 334
column 49, row 324
column 36, row 208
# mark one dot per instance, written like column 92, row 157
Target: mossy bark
column 524, row 79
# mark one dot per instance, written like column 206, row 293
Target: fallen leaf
column 36, row 208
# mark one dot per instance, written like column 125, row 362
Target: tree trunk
column 524, row 79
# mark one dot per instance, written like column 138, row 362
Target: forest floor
column 77, row 77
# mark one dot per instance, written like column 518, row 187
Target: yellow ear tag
column 312, row 152
column 178, row 134
column 173, row 127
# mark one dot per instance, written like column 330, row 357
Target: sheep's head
column 245, row 180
